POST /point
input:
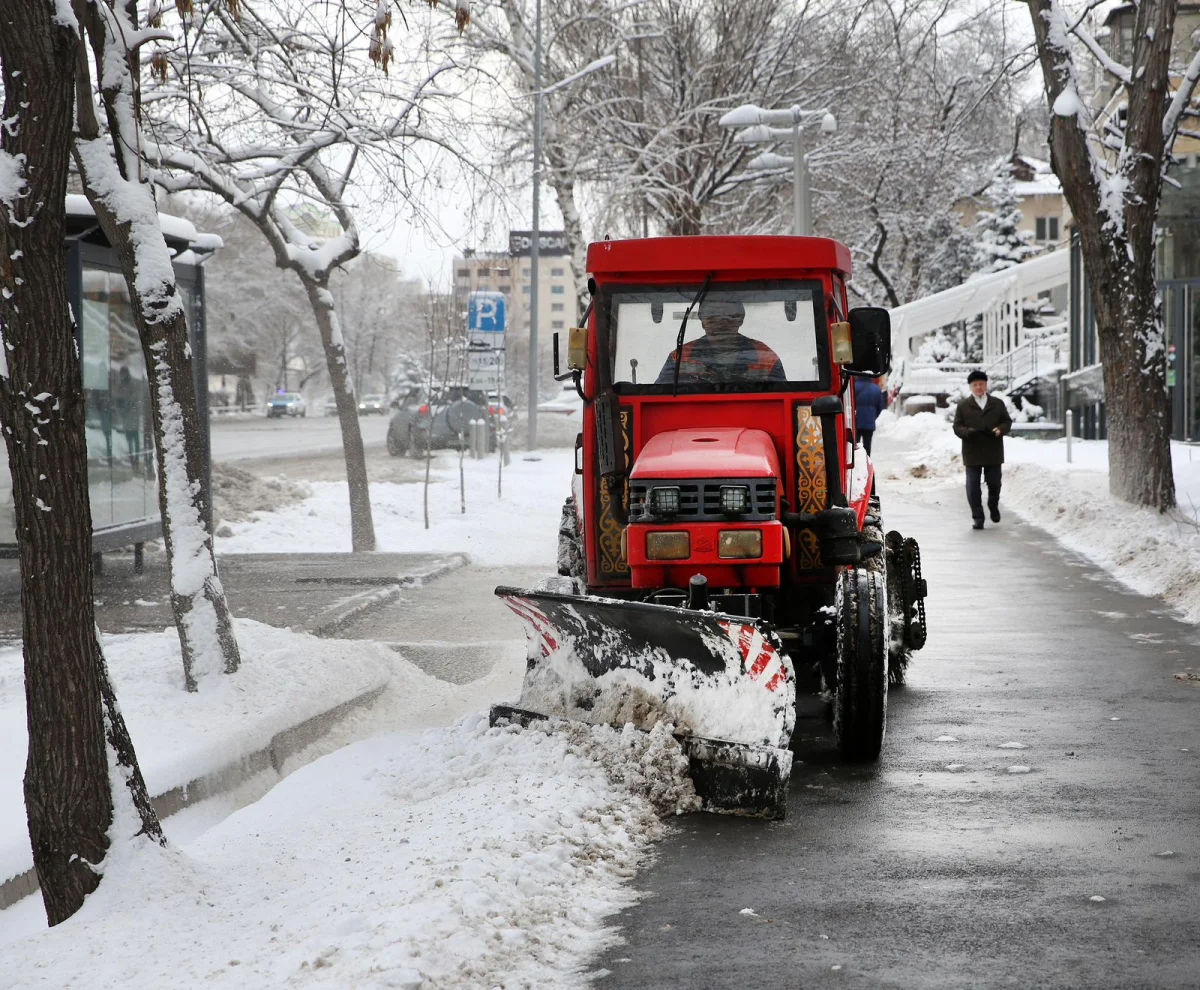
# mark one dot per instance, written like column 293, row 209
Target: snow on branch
column 1182, row 98
column 1114, row 68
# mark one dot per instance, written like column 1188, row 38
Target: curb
column 271, row 758
column 362, row 604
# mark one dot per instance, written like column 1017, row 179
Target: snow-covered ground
column 1153, row 554
column 517, row 527
column 285, row 679
column 412, row 847
column 463, row 857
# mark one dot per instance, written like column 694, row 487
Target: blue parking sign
column 485, row 312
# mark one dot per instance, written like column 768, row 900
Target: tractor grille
column 701, row 500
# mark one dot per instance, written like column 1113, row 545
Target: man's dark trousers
column 865, row 436
column 991, row 475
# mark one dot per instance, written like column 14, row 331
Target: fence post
column 1069, row 419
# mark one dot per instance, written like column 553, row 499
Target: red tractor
column 723, row 546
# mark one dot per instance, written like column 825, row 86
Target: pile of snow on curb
column 465, row 857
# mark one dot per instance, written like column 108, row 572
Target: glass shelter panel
column 120, row 445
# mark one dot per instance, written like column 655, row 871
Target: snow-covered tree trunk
column 125, row 208
column 73, row 772
column 362, row 525
column 1114, row 199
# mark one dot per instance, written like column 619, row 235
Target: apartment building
column 510, row 272
column 1044, row 211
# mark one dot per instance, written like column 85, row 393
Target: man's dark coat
column 980, row 446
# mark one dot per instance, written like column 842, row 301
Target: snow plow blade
column 722, row 681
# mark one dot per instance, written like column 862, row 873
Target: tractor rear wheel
column 860, row 691
column 884, row 563
column 899, row 654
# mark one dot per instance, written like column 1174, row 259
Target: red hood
column 724, row 452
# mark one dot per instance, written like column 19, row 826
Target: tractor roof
column 757, row 256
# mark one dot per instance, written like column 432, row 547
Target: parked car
column 422, row 423
column 566, row 403
column 330, row 406
column 286, row 404
column 372, row 404
column 501, row 404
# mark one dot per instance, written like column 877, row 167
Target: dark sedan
column 420, row 424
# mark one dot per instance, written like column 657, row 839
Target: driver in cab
column 723, row 355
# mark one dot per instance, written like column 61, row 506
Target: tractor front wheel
column 860, row 691
column 571, row 561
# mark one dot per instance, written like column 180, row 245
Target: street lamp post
column 534, row 247
column 776, row 125
column 535, row 244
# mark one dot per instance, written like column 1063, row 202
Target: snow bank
column 1150, row 553
column 513, row 529
column 467, row 857
column 285, row 679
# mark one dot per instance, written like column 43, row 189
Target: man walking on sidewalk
column 981, row 420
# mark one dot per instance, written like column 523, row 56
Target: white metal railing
column 1037, row 356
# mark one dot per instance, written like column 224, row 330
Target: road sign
column 485, row 369
column 486, row 313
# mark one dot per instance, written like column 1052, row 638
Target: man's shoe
column 977, row 524
column 995, row 510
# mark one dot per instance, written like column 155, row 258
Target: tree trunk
column 362, row 526
column 1115, row 217
column 68, row 791
column 1133, row 356
column 127, row 213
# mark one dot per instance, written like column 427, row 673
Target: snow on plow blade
column 723, row 681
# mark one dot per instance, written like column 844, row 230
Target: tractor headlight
column 735, row 500
column 664, row 502
column 739, row 543
column 673, row 545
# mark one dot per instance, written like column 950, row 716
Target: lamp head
column 744, row 116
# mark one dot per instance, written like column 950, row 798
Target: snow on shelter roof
column 181, row 235
column 977, row 295
column 700, row 255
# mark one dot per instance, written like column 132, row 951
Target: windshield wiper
column 683, row 328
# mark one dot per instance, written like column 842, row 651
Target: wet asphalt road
column 938, row 867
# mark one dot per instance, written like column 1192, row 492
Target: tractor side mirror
column 871, row 340
column 577, row 340
column 827, row 405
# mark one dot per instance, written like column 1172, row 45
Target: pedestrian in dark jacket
column 981, row 420
column 869, row 402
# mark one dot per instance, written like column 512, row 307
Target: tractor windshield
column 760, row 336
